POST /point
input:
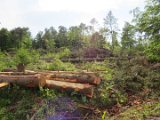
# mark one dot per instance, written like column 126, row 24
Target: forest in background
column 129, row 70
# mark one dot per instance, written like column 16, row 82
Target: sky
column 41, row 14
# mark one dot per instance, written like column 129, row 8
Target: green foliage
column 6, row 61
column 74, row 37
column 129, row 77
column 128, row 41
column 45, row 40
column 35, row 56
column 93, row 66
column 140, row 112
column 47, row 93
column 17, row 103
column 106, row 94
column 152, row 51
column 133, row 80
column 59, row 65
column 39, row 65
column 20, row 37
column 61, row 38
column 132, row 77
column 147, row 22
column 2, row 61
column 23, row 56
column 63, row 52
column 4, row 39
column 111, row 24
column 97, row 40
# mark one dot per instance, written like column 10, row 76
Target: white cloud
column 87, row 6
column 12, row 12
column 8, row 13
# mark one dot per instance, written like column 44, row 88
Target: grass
column 140, row 112
column 17, row 103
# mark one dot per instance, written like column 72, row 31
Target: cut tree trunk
column 85, row 89
column 3, row 84
column 21, row 67
column 90, row 78
column 25, row 80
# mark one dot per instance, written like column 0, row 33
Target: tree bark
column 18, row 73
column 21, row 67
column 85, row 89
column 90, row 78
column 24, row 80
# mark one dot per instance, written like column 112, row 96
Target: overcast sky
column 39, row 14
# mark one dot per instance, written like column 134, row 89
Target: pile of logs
column 82, row 82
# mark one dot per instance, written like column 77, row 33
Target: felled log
column 70, row 72
column 85, row 89
column 25, row 80
column 3, row 84
column 18, row 73
column 90, row 78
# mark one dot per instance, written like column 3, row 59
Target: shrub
column 5, row 61
column 23, row 57
column 107, row 94
column 39, row 65
column 2, row 64
column 135, row 78
column 153, row 51
column 64, row 52
column 46, row 93
column 59, row 65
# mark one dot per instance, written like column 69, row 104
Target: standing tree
column 5, row 42
column 75, row 37
column 148, row 24
column 110, row 23
column 21, row 37
column 22, row 58
column 61, row 39
column 128, row 40
column 38, row 41
column 45, row 40
column 49, row 38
